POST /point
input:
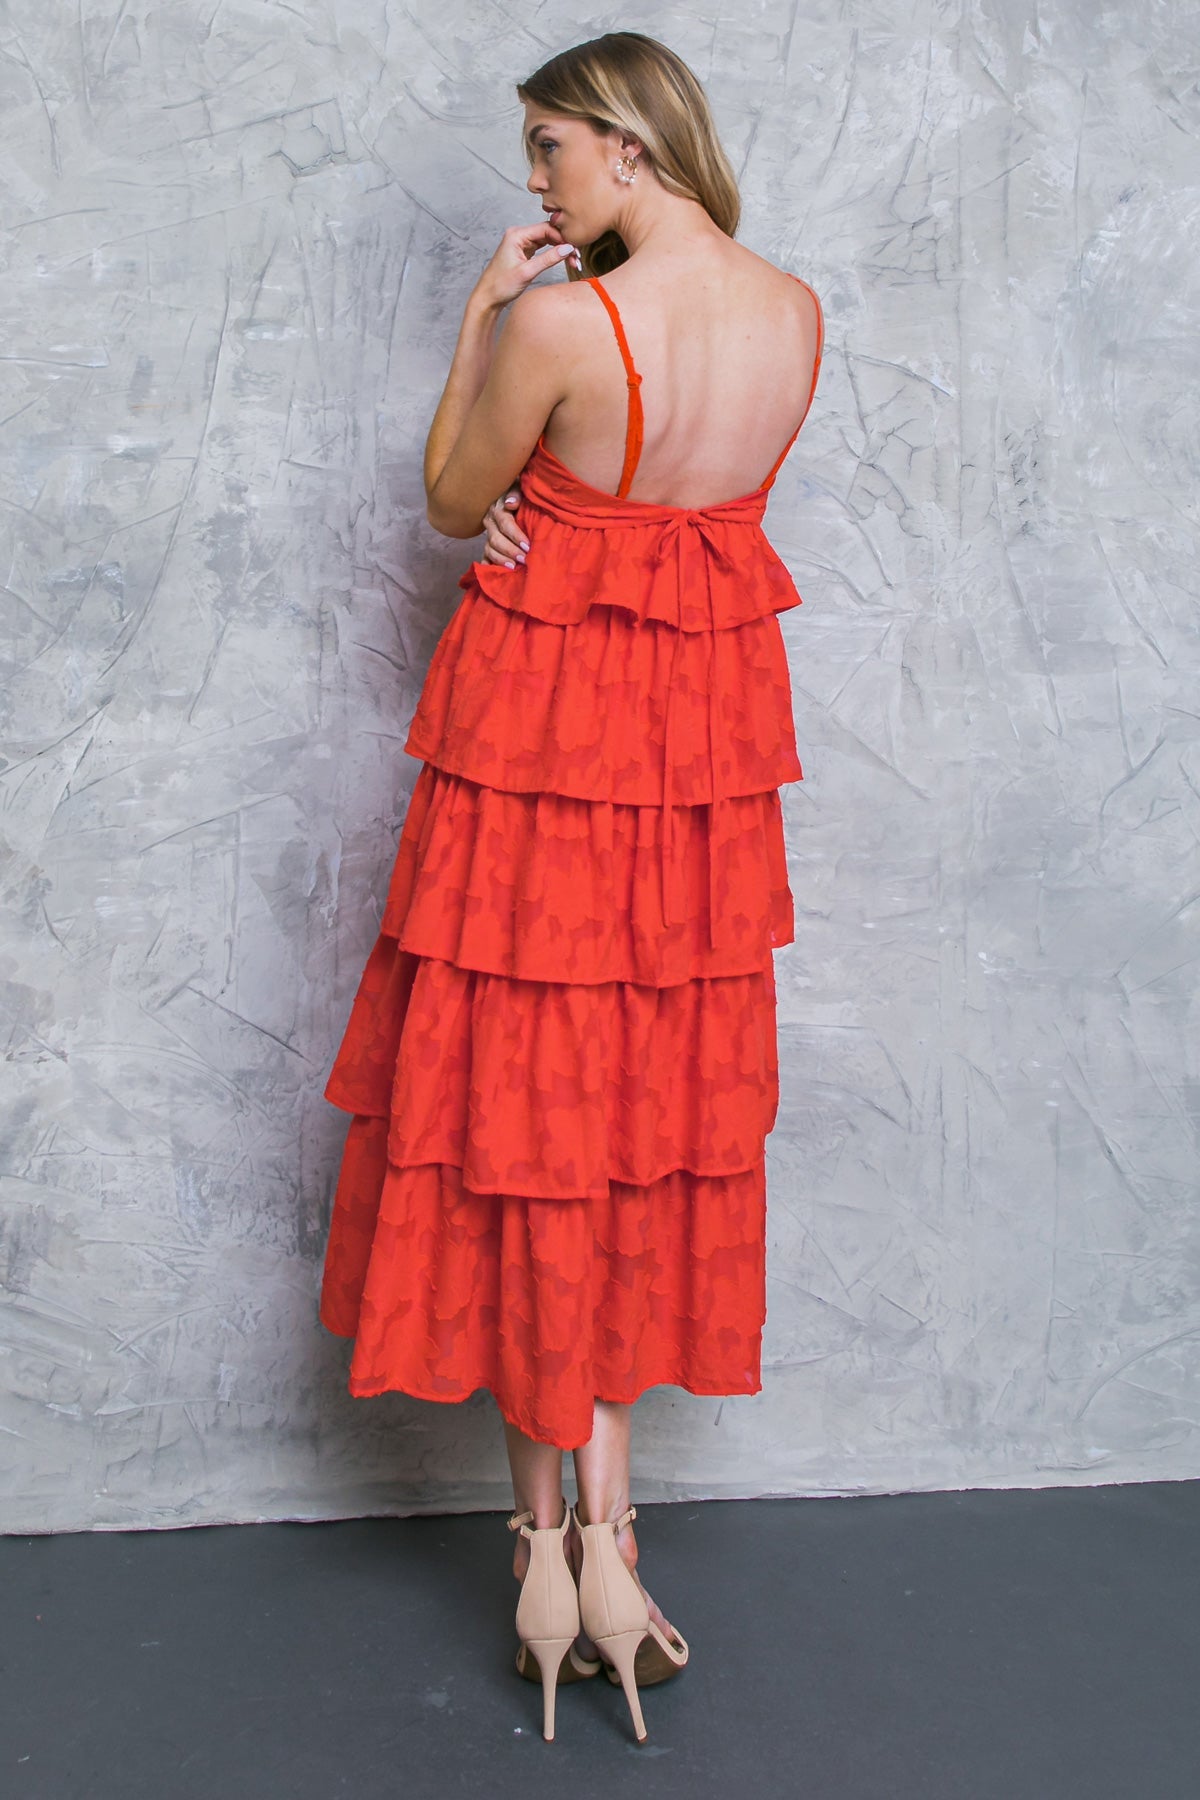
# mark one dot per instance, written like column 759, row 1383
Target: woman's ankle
column 627, row 1547
column 548, row 1515
column 607, row 1514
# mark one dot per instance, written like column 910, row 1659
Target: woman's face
column 572, row 173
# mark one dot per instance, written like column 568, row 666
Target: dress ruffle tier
column 560, row 1061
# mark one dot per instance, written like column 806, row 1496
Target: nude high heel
column 614, row 1613
column 548, row 1609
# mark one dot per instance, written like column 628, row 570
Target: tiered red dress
column 561, row 1056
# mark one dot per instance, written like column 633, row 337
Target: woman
column 561, row 1056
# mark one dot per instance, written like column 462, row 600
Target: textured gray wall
column 241, row 237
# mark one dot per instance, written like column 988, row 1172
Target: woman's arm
column 499, row 392
column 468, row 372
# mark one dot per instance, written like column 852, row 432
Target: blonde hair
column 635, row 84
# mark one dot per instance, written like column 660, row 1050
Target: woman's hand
column 524, row 253
column 505, row 539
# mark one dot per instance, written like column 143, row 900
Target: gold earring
column 629, row 162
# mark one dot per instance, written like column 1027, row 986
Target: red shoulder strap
column 633, row 381
column 813, row 385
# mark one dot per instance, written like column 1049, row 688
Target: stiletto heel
column 548, row 1610
column 622, row 1647
column 614, row 1613
column 549, row 1653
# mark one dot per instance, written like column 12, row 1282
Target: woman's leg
column 602, row 1480
column 537, row 1485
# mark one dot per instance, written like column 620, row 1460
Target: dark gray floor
column 980, row 1646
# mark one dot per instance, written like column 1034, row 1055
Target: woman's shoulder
column 553, row 307
column 544, row 316
column 746, row 278
column 798, row 291
column 770, row 286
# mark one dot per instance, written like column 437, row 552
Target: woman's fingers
column 506, row 542
column 529, row 238
column 524, row 253
column 547, row 257
column 555, row 253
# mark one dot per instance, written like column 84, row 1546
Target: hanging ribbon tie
column 690, row 535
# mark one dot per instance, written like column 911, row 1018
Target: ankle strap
column 521, row 1521
column 618, row 1524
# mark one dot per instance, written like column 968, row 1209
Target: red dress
column 561, row 1056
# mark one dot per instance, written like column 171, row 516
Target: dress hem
column 522, row 1422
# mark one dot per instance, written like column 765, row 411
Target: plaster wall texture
column 238, row 241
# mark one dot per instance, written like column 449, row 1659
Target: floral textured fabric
column 560, row 1060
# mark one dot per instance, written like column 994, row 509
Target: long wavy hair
column 636, row 84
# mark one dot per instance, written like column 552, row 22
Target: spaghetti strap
column 633, row 418
column 813, row 384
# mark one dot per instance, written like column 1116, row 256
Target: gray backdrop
column 240, row 240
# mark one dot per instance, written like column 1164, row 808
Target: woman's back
column 727, row 349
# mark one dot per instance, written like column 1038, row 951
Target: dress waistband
column 556, row 489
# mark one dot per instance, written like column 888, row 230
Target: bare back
column 726, row 348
